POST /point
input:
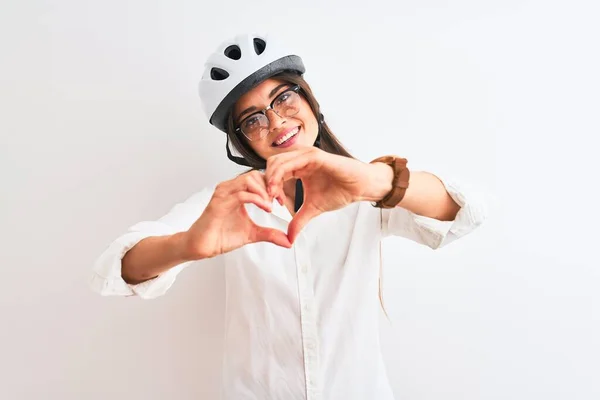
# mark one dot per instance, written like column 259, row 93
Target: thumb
column 275, row 236
column 302, row 217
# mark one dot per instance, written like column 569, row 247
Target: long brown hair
column 328, row 141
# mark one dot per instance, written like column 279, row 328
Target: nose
column 275, row 121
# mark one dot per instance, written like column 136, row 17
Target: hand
column 225, row 225
column 330, row 182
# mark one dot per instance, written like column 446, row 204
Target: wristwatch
column 399, row 183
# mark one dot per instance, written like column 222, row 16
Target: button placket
column 308, row 320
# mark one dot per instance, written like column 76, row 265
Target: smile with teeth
column 286, row 137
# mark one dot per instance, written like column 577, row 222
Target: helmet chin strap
column 237, row 160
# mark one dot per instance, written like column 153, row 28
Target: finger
column 283, row 168
column 293, row 169
column 285, row 171
column 262, row 234
column 255, row 183
column 257, row 200
column 275, row 190
column 273, row 163
column 278, row 194
column 302, row 217
column 278, row 158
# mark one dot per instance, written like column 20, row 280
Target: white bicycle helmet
column 236, row 67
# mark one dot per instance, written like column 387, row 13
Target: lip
column 290, row 141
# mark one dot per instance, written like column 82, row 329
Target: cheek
column 310, row 125
column 261, row 147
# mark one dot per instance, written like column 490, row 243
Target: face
column 269, row 134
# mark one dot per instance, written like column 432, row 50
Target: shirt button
column 304, row 268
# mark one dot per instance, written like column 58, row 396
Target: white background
column 101, row 127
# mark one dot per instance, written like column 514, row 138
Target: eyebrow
column 254, row 108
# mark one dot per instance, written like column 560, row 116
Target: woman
column 298, row 235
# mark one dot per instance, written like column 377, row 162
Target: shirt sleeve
column 106, row 278
column 432, row 232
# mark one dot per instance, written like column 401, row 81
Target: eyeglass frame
column 293, row 88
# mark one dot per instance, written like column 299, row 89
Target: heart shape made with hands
column 330, row 182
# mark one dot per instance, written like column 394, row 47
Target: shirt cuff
column 107, row 280
column 435, row 233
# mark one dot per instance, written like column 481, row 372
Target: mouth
column 287, row 138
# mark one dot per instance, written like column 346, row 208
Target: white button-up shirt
column 300, row 323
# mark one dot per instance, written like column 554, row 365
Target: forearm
column 426, row 194
column 152, row 256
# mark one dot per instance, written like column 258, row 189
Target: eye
column 284, row 97
column 251, row 121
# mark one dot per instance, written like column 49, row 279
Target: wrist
column 379, row 182
column 182, row 249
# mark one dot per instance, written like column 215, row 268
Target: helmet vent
column 259, row 46
column 218, row 74
column 233, row 52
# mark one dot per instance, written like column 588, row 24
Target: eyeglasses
column 286, row 104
